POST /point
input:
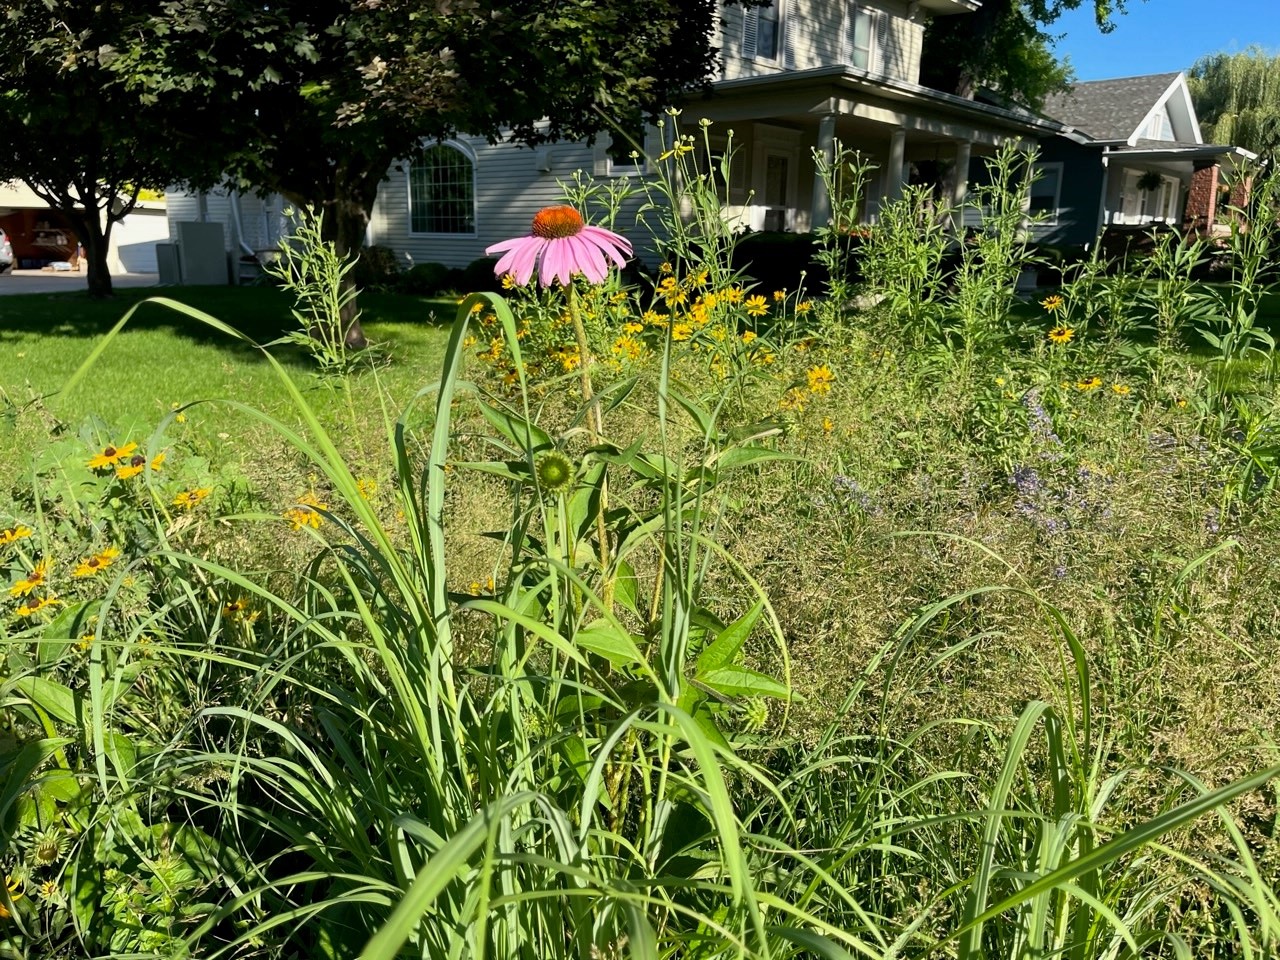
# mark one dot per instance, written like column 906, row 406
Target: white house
column 795, row 76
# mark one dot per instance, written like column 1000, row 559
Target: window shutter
column 881, row 32
column 750, row 24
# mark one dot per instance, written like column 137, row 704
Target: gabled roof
column 1110, row 110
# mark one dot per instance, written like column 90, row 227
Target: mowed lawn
column 163, row 357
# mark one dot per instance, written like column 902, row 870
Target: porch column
column 960, row 184
column 895, row 176
column 1202, row 199
column 820, row 210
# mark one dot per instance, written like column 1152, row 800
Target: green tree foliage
column 316, row 99
column 1237, row 98
column 83, row 146
column 1004, row 45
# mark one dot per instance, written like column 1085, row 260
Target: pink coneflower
column 560, row 246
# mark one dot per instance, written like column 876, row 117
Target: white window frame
column 605, row 167
column 1041, row 169
column 470, row 157
column 852, row 12
column 751, row 33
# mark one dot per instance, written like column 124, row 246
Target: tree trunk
column 96, row 243
column 345, row 223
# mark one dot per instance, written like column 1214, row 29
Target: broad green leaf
column 611, row 642
column 741, row 682
column 724, row 649
column 519, row 431
column 52, row 697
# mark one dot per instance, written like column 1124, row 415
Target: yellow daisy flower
column 35, row 578
column 1061, row 334
column 1052, row 304
column 1088, row 383
column 14, row 534
column 35, row 605
column 820, row 379
column 92, row 566
column 1121, row 389
column 757, row 306
column 306, row 512
column 190, row 499
column 109, row 456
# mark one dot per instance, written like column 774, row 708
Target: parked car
column 6, row 254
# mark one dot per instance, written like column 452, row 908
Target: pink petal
column 590, row 262
column 618, row 248
column 524, row 259
column 504, row 245
column 552, row 265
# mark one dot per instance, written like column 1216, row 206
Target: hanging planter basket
column 1150, row 181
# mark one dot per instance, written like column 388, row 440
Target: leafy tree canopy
column 84, row 146
column 315, row 99
column 1237, row 99
column 1004, row 45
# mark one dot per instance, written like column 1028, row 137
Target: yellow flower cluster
column 14, row 534
column 306, row 512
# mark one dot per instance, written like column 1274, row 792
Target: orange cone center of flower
column 552, row 223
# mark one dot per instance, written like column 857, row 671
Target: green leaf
column 739, row 457
column 609, row 641
column 724, row 649
column 525, row 435
column 53, row 698
column 66, row 628
column 741, row 682
column 16, row 768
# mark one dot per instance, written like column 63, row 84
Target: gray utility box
column 202, row 254
column 167, row 266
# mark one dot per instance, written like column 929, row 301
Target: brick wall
column 1202, row 199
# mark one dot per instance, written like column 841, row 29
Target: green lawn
column 163, row 357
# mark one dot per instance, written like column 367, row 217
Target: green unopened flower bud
column 554, row 472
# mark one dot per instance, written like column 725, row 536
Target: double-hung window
column 861, row 39
column 762, row 31
column 442, row 191
column 1046, row 192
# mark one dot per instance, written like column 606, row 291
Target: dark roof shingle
column 1109, row 109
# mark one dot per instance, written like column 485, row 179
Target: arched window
column 442, row 191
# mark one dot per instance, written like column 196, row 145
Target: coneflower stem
column 597, row 431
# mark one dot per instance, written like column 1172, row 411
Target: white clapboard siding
column 510, row 189
column 814, row 33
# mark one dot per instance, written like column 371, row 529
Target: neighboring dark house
column 1132, row 155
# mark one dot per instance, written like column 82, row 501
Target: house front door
column 777, row 189
column 1132, row 199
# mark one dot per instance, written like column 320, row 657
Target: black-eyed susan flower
column 1053, row 303
column 36, row 578
column 14, row 534
column 93, row 565
column 127, row 471
column 820, row 378
column 36, row 604
column 681, row 331
column 1088, row 383
column 14, row 887
column 793, row 399
column 190, row 499
column 1061, row 335
column 1121, row 389
column 306, row 513
column 109, row 456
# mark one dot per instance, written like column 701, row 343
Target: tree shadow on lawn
column 261, row 313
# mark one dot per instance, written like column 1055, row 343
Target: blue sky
column 1156, row 36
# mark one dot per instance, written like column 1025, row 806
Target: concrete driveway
column 44, row 281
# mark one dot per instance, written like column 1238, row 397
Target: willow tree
column 1237, row 98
